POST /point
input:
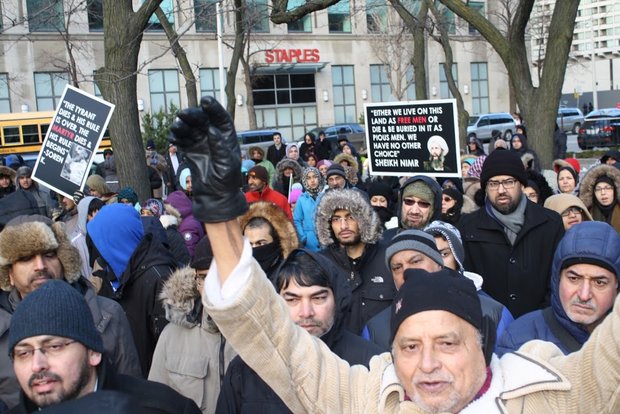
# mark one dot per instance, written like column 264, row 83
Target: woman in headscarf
column 303, row 214
column 599, row 192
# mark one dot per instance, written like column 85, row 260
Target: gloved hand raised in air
column 207, row 137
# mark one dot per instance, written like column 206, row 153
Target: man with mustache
column 511, row 240
column 318, row 298
column 58, row 356
column 584, row 285
column 33, row 250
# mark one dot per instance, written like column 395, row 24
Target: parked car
column 352, row 132
column 481, row 126
column 260, row 137
column 570, row 119
column 601, row 128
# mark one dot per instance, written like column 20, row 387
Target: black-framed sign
column 71, row 141
column 414, row 137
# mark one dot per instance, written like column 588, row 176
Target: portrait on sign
column 76, row 163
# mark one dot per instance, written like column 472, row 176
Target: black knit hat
column 259, row 172
column 444, row 290
column 57, row 309
column 203, row 255
column 335, row 169
column 502, row 163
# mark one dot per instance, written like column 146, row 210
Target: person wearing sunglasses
column 599, row 192
column 511, row 239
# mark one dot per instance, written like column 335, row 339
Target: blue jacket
column 303, row 217
column 587, row 240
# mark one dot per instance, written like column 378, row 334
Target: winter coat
column 303, row 217
column 516, row 276
column 559, row 144
column 110, row 321
column 270, row 196
column 281, row 183
column 190, row 228
column 152, row 397
column 536, row 380
column 191, row 355
column 176, row 243
column 553, row 324
column 243, row 391
column 586, row 193
column 274, row 155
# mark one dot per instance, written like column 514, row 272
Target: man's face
column 277, row 139
column 449, row 260
column 505, row 200
column 311, row 307
column 415, row 212
column 587, row 293
column 172, row 149
column 258, row 236
column 68, row 203
column 30, row 272
column 439, row 361
column 5, row 181
column 435, row 150
column 345, row 228
column 410, row 259
column 336, row 181
column 65, row 372
column 255, row 183
column 25, row 182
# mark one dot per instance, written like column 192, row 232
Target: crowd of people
column 291, row 280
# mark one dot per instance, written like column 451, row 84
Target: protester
column 451, row 205
column 518, row 144
column 381, row 199
column 189, row 228
column 98, row 188
column 7, row 178
column 173, row 160
column 307, row 147
column 288, row 172
column 24, row 182
column 475, row 146
column 559, row 143
column 259, row 190
column 303, row 214
column 257, row 154
column 599, row 192
column 323, row 148
column 570, row 207
column 277, row 150
column 323, row 166
column 567, row 180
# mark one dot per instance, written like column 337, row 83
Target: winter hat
column 453, row 236
column 97, row 183
column 378, row 188
column 615, row 154
column 186, row 172
column 413, row 240
column 443, row 290
column 23, row 171
column 574, row 162
column 13, row 161
column 154, row 206
column 335, row 169
column 25, row 236
column 324, row 162
column 246, row 165
column 57, row 309
column 7, row 172
column 503, row 163
column 560, row 202
column 454, row 194
column 128, row 194
column 203, row 255
column 260, row 172
column 150, row 144
column 420, row 190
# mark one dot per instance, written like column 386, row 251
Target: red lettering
column 315, row 57
column 292, row 55
column 295, row 55
column 269, row 58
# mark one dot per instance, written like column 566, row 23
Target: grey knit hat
column 57, row 309
column 453, row 236
column 413, row 240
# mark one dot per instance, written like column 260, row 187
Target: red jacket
column 271, row 196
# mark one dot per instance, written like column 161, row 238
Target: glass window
column 344, row 94
column 210, row 82
column 380, row 90
column 45, row 15
column 5, row 97
column 164, row 88
column 446, row 18
column 167, row 6
column 206, row 19
column 444, row 91
column 479, row 87
column 300, row 25
column 95, row 15
column 49, row 87
column 479, row 7
column 339, row 17
column 257, row 15
column 376, row 16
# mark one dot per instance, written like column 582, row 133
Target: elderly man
column 33, row 251
column 58, row 356
column 437, row 364
column 584, row 285
column 511, row 240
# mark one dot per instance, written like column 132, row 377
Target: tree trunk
column 233, row 68
column 117, row 82
column 248, row 87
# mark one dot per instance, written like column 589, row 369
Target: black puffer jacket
column 243, row 391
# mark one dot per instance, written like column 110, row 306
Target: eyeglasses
column 347, row 219
column 572, row 210
column 50, row 350
column 447, row 199
column 605, row 189
column 507, row 184
column 422, row 204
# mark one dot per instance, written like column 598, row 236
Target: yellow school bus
column 23, row 133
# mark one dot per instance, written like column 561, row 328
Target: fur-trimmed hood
column 182, row 303
column 586, row 189
column 8, row 172
column 358, row 205
column 348, row 158
column 279, row 220
column 282, row 165
column 27, row 235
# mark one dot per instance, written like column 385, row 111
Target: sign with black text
column 415, row 137
column 71, row 141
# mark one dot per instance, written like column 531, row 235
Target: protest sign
column 416, row 137
column 71, row 141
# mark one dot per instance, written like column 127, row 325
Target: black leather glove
column 207, row 137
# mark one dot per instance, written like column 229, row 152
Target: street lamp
column 220, row 51
column 590, row 24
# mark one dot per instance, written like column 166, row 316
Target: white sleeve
column 224, row 295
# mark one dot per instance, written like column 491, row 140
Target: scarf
column 511, row 222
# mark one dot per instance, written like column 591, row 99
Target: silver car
column 482, row 126
column 570, row 119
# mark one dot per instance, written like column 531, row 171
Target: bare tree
column 538, row 104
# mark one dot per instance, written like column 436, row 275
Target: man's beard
column 61, row 395
column 353, row 242
column 508, row 208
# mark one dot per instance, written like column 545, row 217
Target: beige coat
column 309, row 378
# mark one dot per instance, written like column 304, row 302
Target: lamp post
column 594, row 83
column 220, row 51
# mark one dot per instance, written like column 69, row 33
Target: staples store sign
column 292, row 56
